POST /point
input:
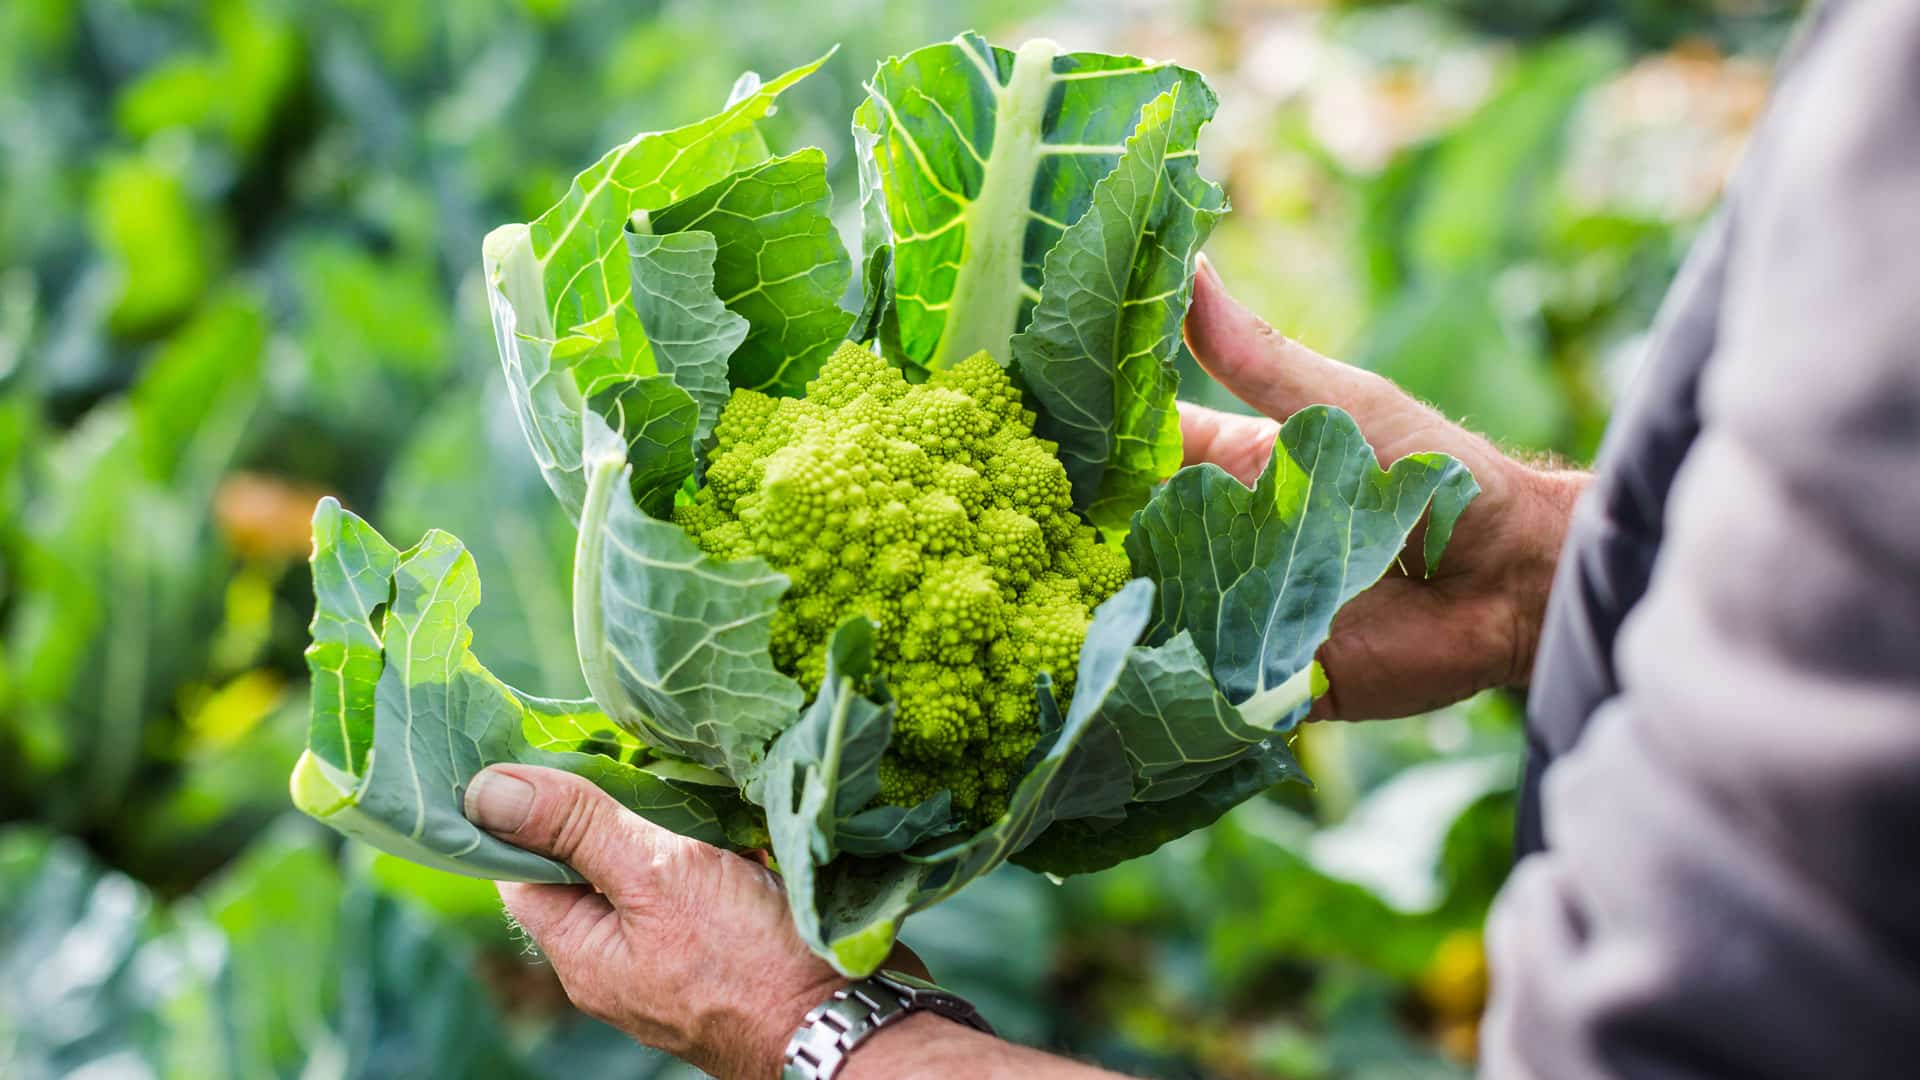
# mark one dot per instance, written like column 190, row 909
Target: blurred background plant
column 238, row 270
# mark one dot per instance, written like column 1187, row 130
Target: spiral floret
column 934, row 511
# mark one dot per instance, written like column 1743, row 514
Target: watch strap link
column 819, row 1047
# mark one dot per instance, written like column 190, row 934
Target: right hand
column 1410, row 643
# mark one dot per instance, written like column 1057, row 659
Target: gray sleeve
column 1733, row 881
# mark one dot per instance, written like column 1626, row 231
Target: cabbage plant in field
column 899, row 593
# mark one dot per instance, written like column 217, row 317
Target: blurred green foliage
column 238, row 270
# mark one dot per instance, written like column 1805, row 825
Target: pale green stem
column 686, row 772
column 836, row 732
column 984, row 310
column 1266, row 708
column 589, row 617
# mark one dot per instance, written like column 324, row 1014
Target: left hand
column 681, row 945
column 1412, row 642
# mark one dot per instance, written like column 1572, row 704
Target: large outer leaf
column 1089, row 845
column 1256, row 575
column 1176, row 726
column 559, row 287
column 404, row 716
column 658, row 421
column 780, row 264
column 1192, row 757
column 822, row 768
column 889, row 830
column 985, row 157
column 837, row 742
column 673, row 642
column 1098, row 355
column 691, row 331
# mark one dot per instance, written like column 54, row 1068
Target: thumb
column 1271, row 372
column 566, row 817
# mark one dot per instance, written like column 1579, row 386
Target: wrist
column 1551, row 494
column 892, row 1051
column 836, row 1029
column 762, row 1052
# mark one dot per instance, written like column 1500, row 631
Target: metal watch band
column 819, row 1047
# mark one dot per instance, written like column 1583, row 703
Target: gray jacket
column 1723, row 804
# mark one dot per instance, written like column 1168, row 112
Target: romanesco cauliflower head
column 934, row 511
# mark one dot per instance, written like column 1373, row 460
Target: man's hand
column 1410, row 643
column 677, row 943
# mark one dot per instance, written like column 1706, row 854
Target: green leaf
column 879, row 319
column 404, row 716
column 81, row 955
column 780, row 264
column 691, row 332
column 160, row 242
column 673, row 642
column 849, row 911
column 889, row 830
column 658, row 421
column 276, row 908
column 1176, row 726
column 1255, row 576
column 1098, row 354
column 1192, row 756
column 1089, row 845
column 824, row 768
column 193, row 401
column 559, row 287
column 837, row 742
column 985, row 157
column 874, row 303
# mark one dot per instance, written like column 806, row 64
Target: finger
column 564, row 816
column 1241, row 445
column 1275, row 374
column 557, row 917
column 1382, row 661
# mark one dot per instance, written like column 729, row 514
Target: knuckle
column 1264, row 329
column 573, row 822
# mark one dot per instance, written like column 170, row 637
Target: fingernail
column 499, row 801
column 1204, row 267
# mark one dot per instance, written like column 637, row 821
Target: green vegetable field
column 767, row 412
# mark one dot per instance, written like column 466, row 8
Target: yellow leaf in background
column 248, row 626
column 223, row 716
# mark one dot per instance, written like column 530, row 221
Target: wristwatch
column 820, row 1045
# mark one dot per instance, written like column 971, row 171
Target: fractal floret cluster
column 934, row 511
